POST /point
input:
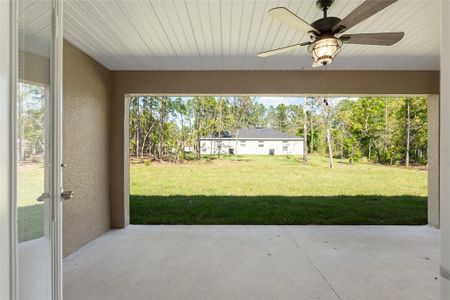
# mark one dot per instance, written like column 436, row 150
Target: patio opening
column 278, row 160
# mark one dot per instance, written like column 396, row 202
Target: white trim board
column 5, row 149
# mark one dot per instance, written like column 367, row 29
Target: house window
column 243, row 143
column 260, row 143
column 285, row 145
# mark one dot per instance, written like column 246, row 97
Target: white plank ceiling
column 226, row 35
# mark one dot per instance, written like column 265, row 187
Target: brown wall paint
column 308, row 83
column 336, row 83
column 86, row 111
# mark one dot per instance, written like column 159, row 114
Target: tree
column 386, row 130
column 305, row 132
column 327, row 110
column 195, row 104
column 241, row 109
column 408, row 130
column 31, row 120
column 281, row 117
column 311, row 116
column 146, row 123
column 138, row 124
column 180, row 109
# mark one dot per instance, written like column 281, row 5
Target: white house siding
column 252, row 146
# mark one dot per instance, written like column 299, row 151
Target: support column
column 433, row 160
column 445, row 150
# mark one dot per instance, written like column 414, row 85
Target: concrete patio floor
column 257, row 262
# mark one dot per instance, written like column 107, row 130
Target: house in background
column 254, row 140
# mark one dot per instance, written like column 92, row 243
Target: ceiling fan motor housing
column 325, row 25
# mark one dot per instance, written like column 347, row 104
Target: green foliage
column 31, row 105
column 373, row 128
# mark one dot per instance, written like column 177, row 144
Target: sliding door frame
column 55, row 115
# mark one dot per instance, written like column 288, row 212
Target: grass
column 276, row 190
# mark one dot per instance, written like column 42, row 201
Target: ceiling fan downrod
column 324, row 5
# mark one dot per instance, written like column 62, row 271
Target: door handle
column 43, row 197
column 67, row 195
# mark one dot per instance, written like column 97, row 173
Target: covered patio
column 114, row 49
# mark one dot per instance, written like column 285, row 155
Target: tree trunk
column 161, row 130
column 352, row 155
column 211, row 150
column 305, row 134
column 138, row 126
column 235, row 143
column 328, row 136
column 330, row 151
column 21, row 131
column 386, row 142
column 198, row 147
column 198, row 129
column 219, row 129
column 311, row 116
column 408, row 128
column 182, row 137
column 219, row 145
column 342, row 144
column 144, row 140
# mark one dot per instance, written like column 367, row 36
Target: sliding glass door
column 37, row 135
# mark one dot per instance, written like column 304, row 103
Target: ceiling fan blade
column 367, row 9
column 288, row 17
column 381, row 39
column 281, row 50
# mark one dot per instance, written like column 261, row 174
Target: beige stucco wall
column 238, row 83
column 86, row 111
column 433, row 160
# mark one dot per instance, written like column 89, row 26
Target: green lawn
column 30, row 214
column 276, row 190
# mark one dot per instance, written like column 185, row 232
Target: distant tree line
column 379, row 129
column 31, row 122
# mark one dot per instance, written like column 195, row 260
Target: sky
column 275, row 101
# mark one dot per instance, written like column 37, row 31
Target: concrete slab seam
column 312, row 262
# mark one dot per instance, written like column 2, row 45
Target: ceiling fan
column 326, row 33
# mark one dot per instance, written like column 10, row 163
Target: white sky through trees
column 276, row 100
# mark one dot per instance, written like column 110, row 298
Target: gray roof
column 254, row 133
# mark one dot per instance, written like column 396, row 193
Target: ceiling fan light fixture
column 325, row 49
